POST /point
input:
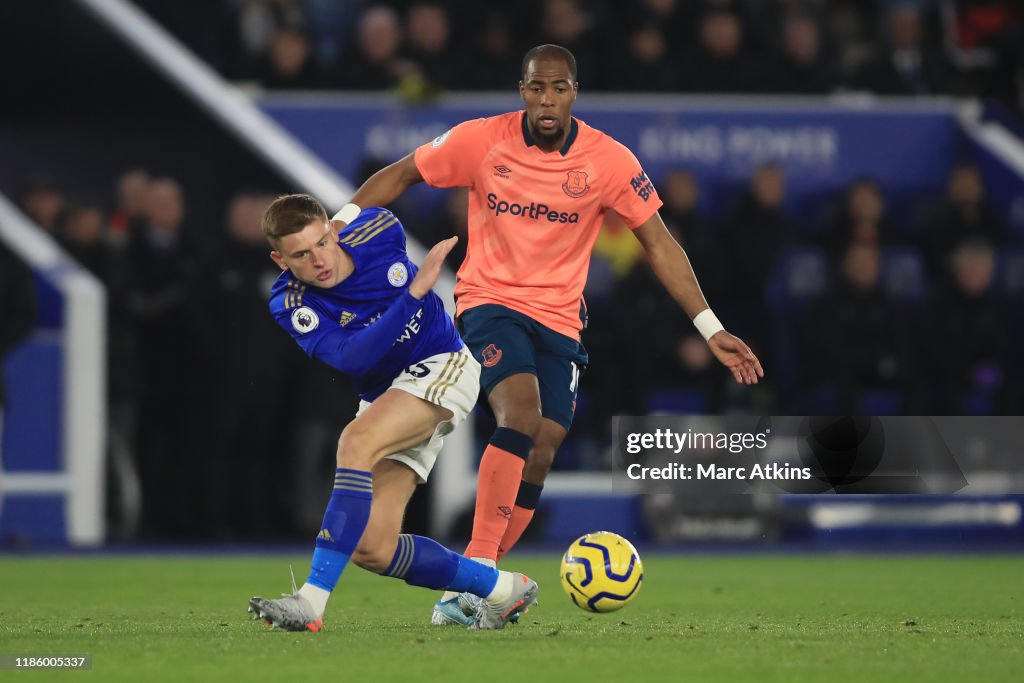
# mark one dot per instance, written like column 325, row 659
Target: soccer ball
column 601, row 572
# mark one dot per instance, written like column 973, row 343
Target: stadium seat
column 800, row 275
column 799, row 278
column 881, row 402
column 978, row 402
column 903, row 275
column 1010, row 272
column 677, row 401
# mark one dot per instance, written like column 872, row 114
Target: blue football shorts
column 506, row 342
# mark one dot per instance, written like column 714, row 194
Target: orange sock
column 522, row 515
column 501, row 470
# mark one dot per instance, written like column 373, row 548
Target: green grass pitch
column 696, row 618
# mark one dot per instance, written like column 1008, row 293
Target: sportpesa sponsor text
column 533, row 210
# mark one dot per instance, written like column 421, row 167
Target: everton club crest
column 575, row 184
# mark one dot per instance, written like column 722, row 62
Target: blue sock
column 344, row 523
column 424, row 562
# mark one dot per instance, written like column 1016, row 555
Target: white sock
column 502, row 589
column 448, row 595
column 317, row 597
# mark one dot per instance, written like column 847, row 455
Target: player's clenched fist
column 431, row 268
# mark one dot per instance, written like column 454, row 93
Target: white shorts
column 450, row 380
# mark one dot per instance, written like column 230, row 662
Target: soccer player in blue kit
column 355, row 301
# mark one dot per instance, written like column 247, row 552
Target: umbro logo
column 502, row 171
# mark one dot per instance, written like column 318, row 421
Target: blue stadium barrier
column 677, row 401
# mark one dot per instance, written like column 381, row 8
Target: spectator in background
column 44, row 203
column 162, row 296
column 566, row 23
column 719, row 64
column 804, row 66
column 248, row 31
column 681, row 195
column 18, row 302
column 645, row 66
column 372, row 61
column 128, row 215
column 964, row 214
column 254, row 375
column 672, row 17
column 491, row 54
column 428, row 46
column 330, row 23
column 288, row 64
column 859, row 220
column 760, row 224
column 965, row 340
column 865, row 343
column 994, row 29
column 906, row 66
column 453, row 220
column 855, row 24
column 663, row 358
column 83, row 236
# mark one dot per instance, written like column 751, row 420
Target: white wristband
column 707, row 324
column 347, row 214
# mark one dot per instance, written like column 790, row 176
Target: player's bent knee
column 538, row 465
column 526, row 421
column 355, row 448
column 372, row 556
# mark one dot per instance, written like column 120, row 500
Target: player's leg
column 549, row 438
column 394, row 422
column 453, row 381
column 500, row 340
column 418, row 560
column 560, row 363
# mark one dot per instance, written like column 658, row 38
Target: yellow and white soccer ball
column 601, row 572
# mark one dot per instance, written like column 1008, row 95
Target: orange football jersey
column 534, row 216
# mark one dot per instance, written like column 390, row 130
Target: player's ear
column 522, row 90
column 276, row 257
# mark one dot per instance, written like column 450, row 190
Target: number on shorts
column 419, row 370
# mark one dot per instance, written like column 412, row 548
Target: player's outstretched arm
column 384, row 186
column 431, row 268
column 672, row 267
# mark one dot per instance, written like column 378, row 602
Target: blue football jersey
column 368, row 325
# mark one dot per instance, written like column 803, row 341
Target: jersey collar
column 574, row 129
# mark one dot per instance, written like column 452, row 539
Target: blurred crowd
column 205, row 391
column 873, row 305
column 890, row 47
column 873, row 309
column 878, row 307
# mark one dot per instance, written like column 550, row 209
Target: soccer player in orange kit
column 540, row 182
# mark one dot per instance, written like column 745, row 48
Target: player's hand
column 431, row 268
column 737, row 356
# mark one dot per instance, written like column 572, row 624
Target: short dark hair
column 552, row 52
column 290, row 214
